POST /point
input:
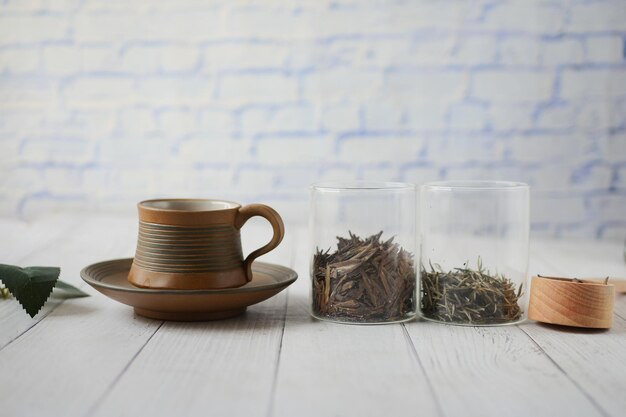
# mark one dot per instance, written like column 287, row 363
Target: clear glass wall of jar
column 474, row 252
column 363, row 268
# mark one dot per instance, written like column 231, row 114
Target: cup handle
column 251, row 210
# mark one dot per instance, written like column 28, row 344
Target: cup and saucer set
column 189, row 265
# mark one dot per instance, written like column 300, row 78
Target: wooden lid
column 572, row 302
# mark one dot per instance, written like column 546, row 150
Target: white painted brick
column 184, row 182
column 324, row 22
column 577, row 175
column 301, row 150
column 238, row 55
column 534, row 17
column 28, row 92
column 610, row 207
column 19, row 60
column 593, row 115
column 100, row 58
column 267, row 23
column 147, row 152
column 62, row 59
column 385, row 115
column 424, row 86
column 457, row 149
column 504, row 172
column 511, row 116
column 560, row 116
column 354, row 53
column 210, row 149
column 618, row 116
column 340, row 116
column 192, row 26
column 342, row 84
column 598, row 16
column 337, row 173
column 371, row 150
column 97, row 179
column 65, row 150
column 140, row 60
column 134, row 180
column 512, row 86
column 427, row 51
column 178, row 90
column 605, row 49
column 549, row 149
column 179, row 58
column 567, row 209
column 620, row 182
column 586, row 84
column 613, row 148
column 217, row 121
column 519, row 52
column 427, row 116
column 611, row 231
column 281, row 119
column 550, row 178
column 62, row 180
column 562, row 52
column 379, row 173
column 295, row 179
column 255, row 180
column 467, row 116
column 263, row 88
column 98, row 90
column 136, row 121
column 22, row 5
column 474, row 50
column 420, row 174
column 16, row 29
column 177, row 122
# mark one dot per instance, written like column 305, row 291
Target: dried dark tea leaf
column 364, row 280
column 469, row 296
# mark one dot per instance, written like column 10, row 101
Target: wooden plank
column 213, row 368
column 344, row 370
column 593, row 359
column 27, row 241
column 494, row 371
column 62, row 366
column 78, row 353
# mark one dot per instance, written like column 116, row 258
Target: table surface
column 94, row 357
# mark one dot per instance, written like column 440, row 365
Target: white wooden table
column 94, row 357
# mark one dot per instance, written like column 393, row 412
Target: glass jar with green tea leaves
column 474, row 252
column 363, row 268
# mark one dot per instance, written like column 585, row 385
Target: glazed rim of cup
column 475, row 185
column 187, row 204
column 361, row 186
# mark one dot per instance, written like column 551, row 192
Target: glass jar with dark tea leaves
column 474, row 252
column 363, row 268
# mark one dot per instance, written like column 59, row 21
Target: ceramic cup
column 194, row 244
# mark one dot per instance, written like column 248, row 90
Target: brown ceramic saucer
column 111, row 279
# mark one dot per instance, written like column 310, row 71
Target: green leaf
column 30, row 286
column 68, row 291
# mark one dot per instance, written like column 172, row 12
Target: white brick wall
column 104, row 103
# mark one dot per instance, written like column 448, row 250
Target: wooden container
column 571, row 302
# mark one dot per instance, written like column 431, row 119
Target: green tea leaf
column 68, row 291
column 30, row 286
